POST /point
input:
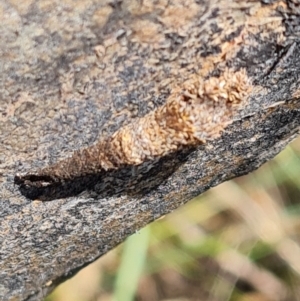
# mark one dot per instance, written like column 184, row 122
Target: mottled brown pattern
column 194, row 112
column 76, row 72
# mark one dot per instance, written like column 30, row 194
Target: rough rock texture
column 76, row 72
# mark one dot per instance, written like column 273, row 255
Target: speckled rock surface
column 75, row 72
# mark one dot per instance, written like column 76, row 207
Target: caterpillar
column 196, row 111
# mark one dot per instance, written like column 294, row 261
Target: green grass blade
column 132, row 264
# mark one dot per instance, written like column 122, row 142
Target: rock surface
column 73, row 73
